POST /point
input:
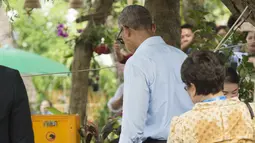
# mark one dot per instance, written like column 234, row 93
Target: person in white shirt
column 153, row 89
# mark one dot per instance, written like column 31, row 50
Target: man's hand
column 116, row 47
column 117, row 51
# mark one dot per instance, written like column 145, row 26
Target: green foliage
column 108, row 84
column 218, row 11
column 111, row 131
column 205, row 35
column 206, row 38
column 54, row 111
column 103, row 31
column 210, row 12
column 246, row 70
column 37, row 33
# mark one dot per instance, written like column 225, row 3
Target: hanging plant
column 102, row 48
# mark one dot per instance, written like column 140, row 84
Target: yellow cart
column 56, row 128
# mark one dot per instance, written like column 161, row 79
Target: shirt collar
column 151, row 41
column 207, row 105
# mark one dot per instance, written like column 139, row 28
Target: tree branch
column 237, row 6
column 91, row 16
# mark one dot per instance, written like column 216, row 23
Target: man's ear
column 153, row 28
column 127, row 31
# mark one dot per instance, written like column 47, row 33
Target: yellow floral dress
column 227, row 121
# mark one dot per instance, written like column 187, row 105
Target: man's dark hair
column 205, row 70
column 221, row 27
column 187, row 26
column 135, row 17
column 231, row 76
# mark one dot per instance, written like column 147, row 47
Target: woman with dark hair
column 231, row 83
column 214, row 118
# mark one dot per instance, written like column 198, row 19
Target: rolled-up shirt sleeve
column 135, row 104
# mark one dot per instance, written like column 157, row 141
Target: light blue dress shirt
column 237, row 57
column 153, row 91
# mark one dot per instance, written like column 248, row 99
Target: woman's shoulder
column 184, row 117
column 205, row 110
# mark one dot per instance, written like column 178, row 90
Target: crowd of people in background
column 193, row 99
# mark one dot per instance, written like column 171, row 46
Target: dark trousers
column 150, row 140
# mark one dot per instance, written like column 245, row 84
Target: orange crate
column 56, row 128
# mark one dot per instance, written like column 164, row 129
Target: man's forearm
column 117, row 104
column 119, row 56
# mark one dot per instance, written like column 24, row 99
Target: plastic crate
column 56, row 128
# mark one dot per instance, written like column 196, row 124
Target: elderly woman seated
column 214, row 118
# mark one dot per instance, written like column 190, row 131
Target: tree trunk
column 6, row 31
column 237, row 7
column 82, row 57
column 166, row 16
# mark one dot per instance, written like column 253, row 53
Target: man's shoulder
column 149, row 57
column 7, row 69
column 7, row 72
column 177, row 51
column 137, row 58
column 162, row 50
column 174, row 55
column 138, row 61
column 143, row 62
